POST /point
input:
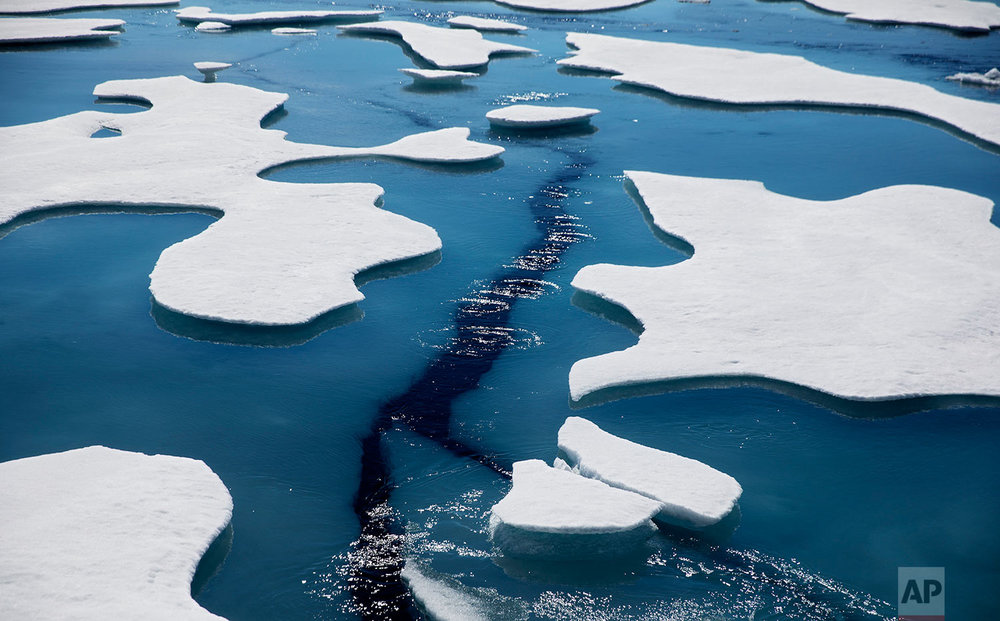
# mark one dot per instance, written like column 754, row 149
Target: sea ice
column 212, row 27
column 484, row 25
column 97, row 533
column 439, row 600
column 552, row 513
column 283, row 253
column 440, row 77
column 445, row 48
column 571, row 6
column 197, row 14
column 48, row 6
column 990, row 79
column 966, row 15
column 210, row 68
column 690, row 493
column 888, row 294
column 526, row 115
column 738, row 77
column 292, row 31
column 22, row 30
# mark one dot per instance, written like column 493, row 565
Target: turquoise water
column 833, row 504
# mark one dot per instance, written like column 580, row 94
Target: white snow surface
column 483, row 24
column 990, row 79
column 967, row 15
column 97, row 533
column 47, row 6
column 689, row 492
column 739, row 77
column 438, row 76
column 292, row 31
column 212, row 27
column 571, row 6
column 528, row 115
column 551, row 500
column 205, row 14
column 283, row 253
column 888, row 294
column 445, row 48
column 439, row 600
column 16, row 30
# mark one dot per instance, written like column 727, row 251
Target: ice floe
column 439, row 600
column 287, row 30
column 48, row 6
column 445, row 48
column 210, row 68
column 198, row 14
column 483, row 24
column 440, row 77
column 553, row 513
column 24, row 30
column 283, row 253
column 990, row 79
column 97, row 533
column 571, row 6
column 739, row 77
column 887, row 294
column 691, row 493
column 967, row 15
column 527, row 115
column 212, row 27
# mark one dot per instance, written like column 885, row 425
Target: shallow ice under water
column 835, row 500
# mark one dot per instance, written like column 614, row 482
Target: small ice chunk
column 990, row 79
column 526, row 115
column 24, row 30
column 689, row 492
column 292, row 31
column 438, row 599
column 195, row 14
column 97, row 533
column 439, row 77
column 551, row 513
column 484, row 25
column 210, row 68
column 212, row 27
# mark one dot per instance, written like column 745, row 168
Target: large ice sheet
column 553, row 513
column 691, row 493
column 483, row 24
column 284, row 253
column 966, row 15
column 198, row 14
column 445, row 48
column 739, row 77
column 23, row 30
column 891, row 293
column 47, row 6
column 571, row 6
column 97, row 533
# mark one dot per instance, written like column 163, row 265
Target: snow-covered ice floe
column 739, row 77
column 287, row 30
column 990, row 79
column 484, row 25
column 197, row 14
column 283, row 253
column 690, row 493
column 49, row 6
column 213, row 27
column 888, row 294
column 571, row 6
column 440, row 77
column 528, row 116
column 551, row 513
column 97, row 533
column 445, row 48
column 439, row 600
column 965, row 15
column 209, row 68
column 24, row 30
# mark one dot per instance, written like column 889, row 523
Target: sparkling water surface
column 833, row 502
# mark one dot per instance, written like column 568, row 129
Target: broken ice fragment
column 528, row 116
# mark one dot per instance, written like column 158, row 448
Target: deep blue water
column 830, row 499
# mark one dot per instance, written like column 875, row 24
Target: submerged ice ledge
column 282, row 254
column 25, row 30
column 97, row 533
column 199, row 14
column 739, row 77
column 894, row 293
